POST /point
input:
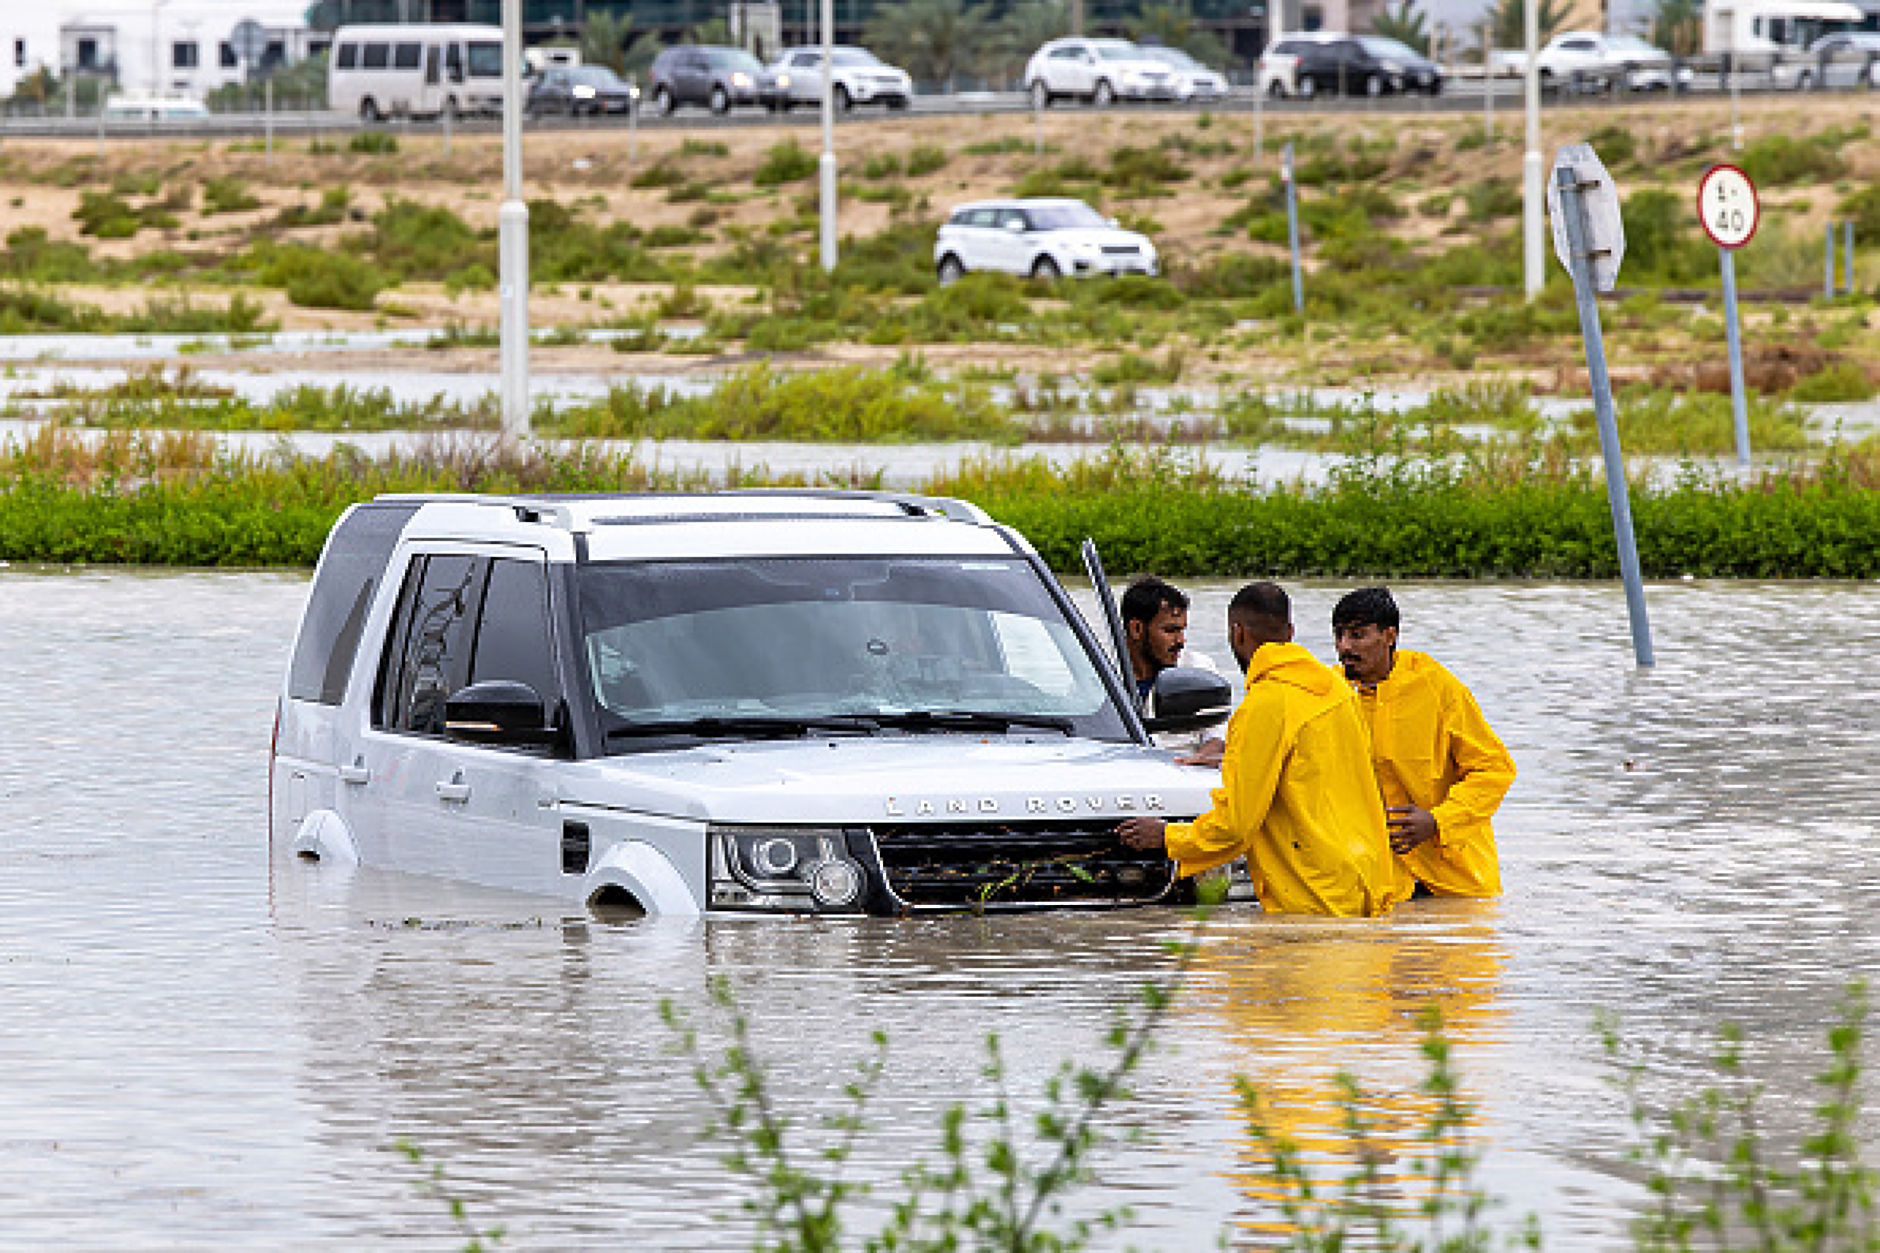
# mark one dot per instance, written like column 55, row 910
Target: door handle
column 357, row 773
column 453, row 789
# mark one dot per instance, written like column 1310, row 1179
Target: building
column 181, row 47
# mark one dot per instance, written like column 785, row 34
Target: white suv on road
column 859, row 77
column 803, row 702
column 1039, row 238
column 1101, row 71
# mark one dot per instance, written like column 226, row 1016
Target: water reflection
column 1310, row 1007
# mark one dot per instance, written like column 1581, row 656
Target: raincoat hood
column 1294, row 666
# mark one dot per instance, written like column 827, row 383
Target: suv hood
column 953, row 778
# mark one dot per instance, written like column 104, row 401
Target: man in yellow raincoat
column 1441, row 770
column 1297, row 796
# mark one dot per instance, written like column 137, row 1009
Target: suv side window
column 512, row 636
column 356, row 558
column 428, row 655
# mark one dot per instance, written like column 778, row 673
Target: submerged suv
column 810, row 702
column 1043, row 238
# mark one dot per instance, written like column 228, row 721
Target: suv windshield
column 1065, row 217
column 868, row 645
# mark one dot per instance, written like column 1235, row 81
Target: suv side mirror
column 1186, row 698
column 499, row 711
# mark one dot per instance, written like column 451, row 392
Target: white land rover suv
column 809, row 702
column 1042, row 237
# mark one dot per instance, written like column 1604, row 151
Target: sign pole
column 1847, row 250
column 1292, row 226
column 1827, row 265
column 1578, row 171
column 1739, row 407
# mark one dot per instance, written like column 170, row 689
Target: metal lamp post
column 826, row 167
column 1533, row 193
column 512, row 239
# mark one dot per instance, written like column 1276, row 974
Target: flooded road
column 201, row 1049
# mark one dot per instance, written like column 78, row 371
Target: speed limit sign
column 1727, row 206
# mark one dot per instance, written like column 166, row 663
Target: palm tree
column 1678, row 26
column 604, row 39
column 934, row 40
column 1508, row 21
column 1022, row 31
column 1407, row 24
column 1172, row 24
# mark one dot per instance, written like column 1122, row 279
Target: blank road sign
column 1727, row 206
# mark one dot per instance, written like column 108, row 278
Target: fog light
column 774, row 858
column 834, row 883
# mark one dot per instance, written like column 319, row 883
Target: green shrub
column 787, row 162
column 316, row 279
column 32, row 254
column 334, row 202
column 1141, row 171
column 227, row 195
column 1492, row 199
column 1843, row 381
column 1616, row 145
column 373, row 143
column 1786, row 160
column 925, row 159
column 1660, row 242
column 426, row 242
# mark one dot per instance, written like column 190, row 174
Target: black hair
column 1144, row 599
column 1265, row 601
column 1368, row 606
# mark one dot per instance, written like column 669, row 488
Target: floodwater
column 201, row 1050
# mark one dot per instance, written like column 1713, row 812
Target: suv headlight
column 805, row 869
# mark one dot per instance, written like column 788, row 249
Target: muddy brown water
column 204, row 1050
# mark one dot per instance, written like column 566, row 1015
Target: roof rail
column 553, row 507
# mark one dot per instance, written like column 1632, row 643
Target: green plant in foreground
column 475, row 1241
column 1716, row 1180
column 1001, row 1190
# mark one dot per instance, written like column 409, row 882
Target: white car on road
column 1040, row 238
column 1585, row 60
column 1101, row 71
column 859, row 77
column 1193, row 80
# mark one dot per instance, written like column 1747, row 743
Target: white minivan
column 385, row 71
column 748, row 702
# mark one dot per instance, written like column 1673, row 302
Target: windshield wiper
column 717, row 725
column 971, row 720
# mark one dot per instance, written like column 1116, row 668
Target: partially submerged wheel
column 950, row 271
column 1046, row 269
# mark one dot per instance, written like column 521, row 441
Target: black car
column 708, row 74
column 1364, row 65
column 579, row 89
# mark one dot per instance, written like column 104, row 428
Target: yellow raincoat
column 1433, row 749
column 1298, row 799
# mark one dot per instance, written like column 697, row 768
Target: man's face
column 1364, row 649
column 1158, row 643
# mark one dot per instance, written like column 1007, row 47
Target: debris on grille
column 987, row 866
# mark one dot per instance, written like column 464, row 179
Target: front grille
column 1017, row 865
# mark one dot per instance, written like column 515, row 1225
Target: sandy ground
column 43, row 180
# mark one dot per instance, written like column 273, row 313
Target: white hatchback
column 1040, row 238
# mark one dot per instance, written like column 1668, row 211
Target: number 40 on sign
column 1727, row 206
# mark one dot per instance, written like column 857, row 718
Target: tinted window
column 431, row 646
column 513, row 636
column 346, row 56
column 407, row 56
column 377, row 56
column 342, row 593
column 486, row 59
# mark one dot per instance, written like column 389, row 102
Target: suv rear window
column 355, row 561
